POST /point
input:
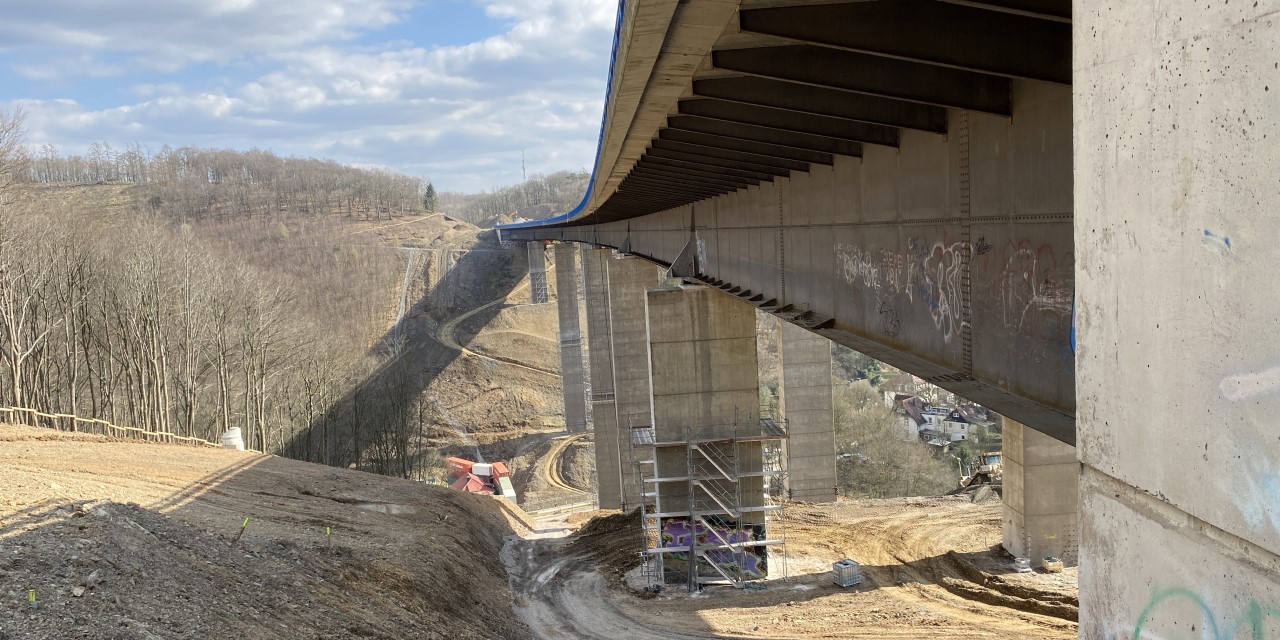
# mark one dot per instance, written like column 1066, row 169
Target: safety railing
column 69, row 422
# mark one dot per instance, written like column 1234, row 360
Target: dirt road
column 902, row 545
column 446, row 334
column 561, row 593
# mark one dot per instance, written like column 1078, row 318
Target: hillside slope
column 130, row 540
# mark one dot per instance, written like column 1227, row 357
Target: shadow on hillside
column 375, row 425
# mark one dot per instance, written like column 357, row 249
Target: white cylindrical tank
column 231, row 439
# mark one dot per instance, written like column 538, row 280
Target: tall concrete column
column 629, row 278
column 706, row 394
column 604, row 416
column 538, row 273
column 1177, row 240
column 1041, row 499
column 805, row 398
column 571, row 373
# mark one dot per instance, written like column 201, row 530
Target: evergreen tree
column 429, row 198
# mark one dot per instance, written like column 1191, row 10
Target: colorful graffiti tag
column 751, row 562
column 1176, row 610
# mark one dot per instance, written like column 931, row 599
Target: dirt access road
column 913, row 588
column 122, row 540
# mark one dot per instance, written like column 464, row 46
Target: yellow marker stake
column 31, row 597
column 327, row 537
column 243, row 526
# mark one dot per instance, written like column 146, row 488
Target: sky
column 447, row 90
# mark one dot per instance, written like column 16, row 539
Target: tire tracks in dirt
column 564, row 595
column 551, row 464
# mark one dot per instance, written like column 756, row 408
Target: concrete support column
column 629, row 278
column 537, row 273
column 702, row 350
column 1041, row 499
column 571, row 373
column 702, row 355
column 604, row 416
column 805, row 399
column 1177, row 120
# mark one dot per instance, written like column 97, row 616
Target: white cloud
column 167, row 35
column 459, row 114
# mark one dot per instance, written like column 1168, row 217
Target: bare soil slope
column 129, row 540
column 913, row 587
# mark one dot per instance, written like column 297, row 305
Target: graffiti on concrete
column 890, row 323
column 1182, row 613
column 1030, row 286
column 1259, row 499
column 925, row 274
column 1035, row 289
column 750, row 562
column 1216, row 242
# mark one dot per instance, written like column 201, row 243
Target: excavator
column 991, row 471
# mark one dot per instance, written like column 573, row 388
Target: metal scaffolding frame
column 538, row 293
column 715, row 504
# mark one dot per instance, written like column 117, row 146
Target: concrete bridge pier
column 571, row 373
column 604, row 415
column 629, row 279
column 1177, row 109
column 805, row 400
column 1041, row 499
column 618, row 341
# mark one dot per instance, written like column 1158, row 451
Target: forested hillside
column 199, row 290
column 541, row 196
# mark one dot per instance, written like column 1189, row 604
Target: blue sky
column 450, row 90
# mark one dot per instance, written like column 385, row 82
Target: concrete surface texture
column 629, row 278
column 805, row 398
column 970, row 289
column 1177, row 121
column 1041, row 501
column 604, row 415
column 571, row 370
column 702, row 353
column 661, row 46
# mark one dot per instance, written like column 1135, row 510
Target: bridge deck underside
column 908, row 196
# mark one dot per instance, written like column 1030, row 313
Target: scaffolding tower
column 711, row 504
column 538, row 293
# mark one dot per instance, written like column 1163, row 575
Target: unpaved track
column 549, row 467
column 901, row 544
column 563, row 595
column 446, row 334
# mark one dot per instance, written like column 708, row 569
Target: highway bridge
column 1062, row 211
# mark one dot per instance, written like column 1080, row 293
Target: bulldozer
column 990, row 471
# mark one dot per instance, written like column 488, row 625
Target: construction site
column 714, row 515
column 860, row 329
